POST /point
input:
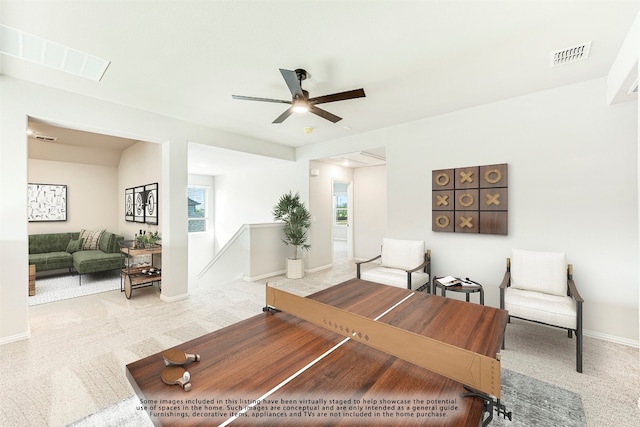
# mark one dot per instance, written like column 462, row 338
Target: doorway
column 342, row 219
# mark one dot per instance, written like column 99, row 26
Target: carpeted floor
column 532, row 402
column 65, row 286
column 74, row 363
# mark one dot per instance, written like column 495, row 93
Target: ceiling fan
column 300, row 101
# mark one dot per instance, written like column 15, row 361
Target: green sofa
column 56, row 251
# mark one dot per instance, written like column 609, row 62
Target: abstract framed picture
column 128, row 204
column 46, row 202
column 151, row 203
column 139, row 198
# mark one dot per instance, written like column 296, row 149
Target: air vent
column 570, row 54
column 45, row 138
column 22, row 45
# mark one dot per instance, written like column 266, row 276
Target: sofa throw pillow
column 91, row 239
column 74, row 245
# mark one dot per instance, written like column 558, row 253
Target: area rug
column 532, row 403
column 537, row 403
column 60, row 287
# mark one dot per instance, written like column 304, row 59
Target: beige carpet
column 74, row 363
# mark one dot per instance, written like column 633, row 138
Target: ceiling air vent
column 570, row 54
column 45, row 138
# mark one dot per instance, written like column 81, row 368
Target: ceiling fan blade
column 253, row 98
column 281, row 118
column 324, row 114
column 341, row 96
column 291, row 78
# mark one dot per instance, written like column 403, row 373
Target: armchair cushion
column 541, row 307
column 402, row 254
column 395, row 277
column 544, row 272
column 398, row 260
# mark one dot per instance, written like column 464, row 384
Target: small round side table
column 467, row 287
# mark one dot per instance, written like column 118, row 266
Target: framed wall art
column 47, row 202
column 139, row 197
column 128, row 204
column 151, row 204
column 141, row 204
column 471, row 199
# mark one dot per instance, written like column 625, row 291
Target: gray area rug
column 536, row 403
column 60, row 287
column 532, row 402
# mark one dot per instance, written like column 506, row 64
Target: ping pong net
column 476, row 371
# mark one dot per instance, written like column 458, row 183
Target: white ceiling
column 414, row 59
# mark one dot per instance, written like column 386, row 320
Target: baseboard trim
column 281, row 272
column 165, row 298
column 322, row 267
column 263, row 276
column 611, row 338
column 14, row 338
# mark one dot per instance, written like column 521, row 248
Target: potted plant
column 297, row 221
column 151, row 239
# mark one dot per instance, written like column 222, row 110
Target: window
column 197, row 202
column 340, row 201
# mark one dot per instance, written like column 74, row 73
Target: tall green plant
column 297, row 221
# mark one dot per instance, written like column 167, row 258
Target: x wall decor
column 46, row 202
column 141, row 204
column 470, row 199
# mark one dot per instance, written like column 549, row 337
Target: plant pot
column 295, row 268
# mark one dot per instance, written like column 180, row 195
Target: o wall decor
column 46, row 202
column 141, row 204
column 470, row 199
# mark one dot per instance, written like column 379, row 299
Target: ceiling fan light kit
column 300, row 101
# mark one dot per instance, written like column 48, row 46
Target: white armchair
column 539, row 287
column 403, row 263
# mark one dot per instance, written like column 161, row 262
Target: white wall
column 249, row 197
column 369, row 210
column 92, row 195
column 140, row 164
column 572, row 187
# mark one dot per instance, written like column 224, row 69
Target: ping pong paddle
column 174, row 356
column 172, row 375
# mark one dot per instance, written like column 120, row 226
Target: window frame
column 205, row 219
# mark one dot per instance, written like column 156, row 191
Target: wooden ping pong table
column 278, row 369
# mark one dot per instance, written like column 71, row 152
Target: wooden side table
column 32, row 280
column 466, row 286
column 138, row 277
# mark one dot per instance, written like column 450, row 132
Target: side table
column 466, row 286
column 138, row 277
column 32, row 280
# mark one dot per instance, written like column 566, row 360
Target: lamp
column 300, row 106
